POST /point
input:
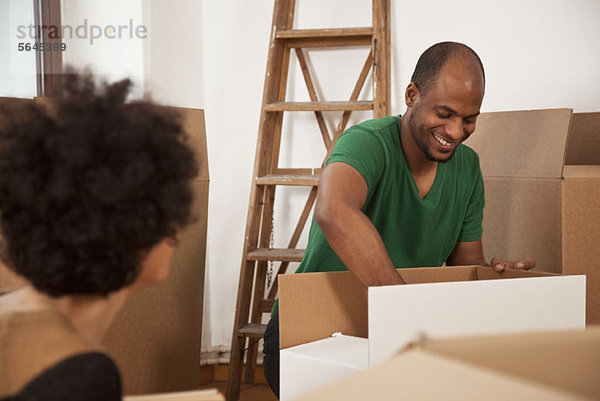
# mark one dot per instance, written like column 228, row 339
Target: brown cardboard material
column 156, row 338
column 534, row 366
column 584, row 145
column 313, row 306
column 581, row 231
column 9, row 281
column 540, row 198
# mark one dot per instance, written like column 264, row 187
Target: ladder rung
column 307, row 180
column 266, row 305
column 323, row 33
column 278, row 254
column 253, row 330
column 320, row 106
column 327, row 37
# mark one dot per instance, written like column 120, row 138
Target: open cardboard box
column 436, row 302
column 533, row 366
column 541, row 171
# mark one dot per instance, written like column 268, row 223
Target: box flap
column 581, row 171
column 584, row 140
column 400, row 314
column 566, row 359
column 419, row 375
column 352, row 352
column 522, row 220
column 522, row 143
column 313, row 306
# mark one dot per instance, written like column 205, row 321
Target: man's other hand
column 500, row 264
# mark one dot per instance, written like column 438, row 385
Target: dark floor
column 249, row 392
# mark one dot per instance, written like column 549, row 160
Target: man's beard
column 422, row 142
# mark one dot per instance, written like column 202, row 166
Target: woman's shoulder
column 86, row 376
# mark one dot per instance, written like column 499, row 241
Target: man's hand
column 500, row 264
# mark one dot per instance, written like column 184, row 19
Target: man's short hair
column 433, row 60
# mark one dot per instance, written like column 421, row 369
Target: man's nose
column 455, row 129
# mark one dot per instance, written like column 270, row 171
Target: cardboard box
column 9, row 281
column 310, row 366
column 534, row 366
column 541, row 171
column 156, row 338
column 436, row 302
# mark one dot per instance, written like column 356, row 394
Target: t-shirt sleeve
column 472, row 227
column 89, row 376
column 362, row 150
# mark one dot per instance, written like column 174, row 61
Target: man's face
column 446, row 115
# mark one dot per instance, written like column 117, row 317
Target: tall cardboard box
column 156, row 338
column 541, row 172
column 9, row 281
column 435, row 302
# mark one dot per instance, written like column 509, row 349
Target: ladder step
column 327, row 37
column 266, row 305
column 277, row 254
column 320, row 106
column 253, row 330
column 306, row 180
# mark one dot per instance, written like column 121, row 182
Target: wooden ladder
column 252, row 301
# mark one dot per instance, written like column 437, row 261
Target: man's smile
column 444, row 143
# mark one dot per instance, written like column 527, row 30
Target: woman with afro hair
column 93, row 193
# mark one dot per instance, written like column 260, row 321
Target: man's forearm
column 356, row 241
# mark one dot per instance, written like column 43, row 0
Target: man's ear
column 411, row 95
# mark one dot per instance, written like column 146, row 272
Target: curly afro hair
column 89, row 186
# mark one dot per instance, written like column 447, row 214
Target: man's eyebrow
column 452, row 111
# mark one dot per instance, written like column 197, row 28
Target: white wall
column 17, row 68
column 112, row 59
column 537, row 53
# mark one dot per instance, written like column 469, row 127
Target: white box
column 436, row 302
column 441, row 310
column 315, row 364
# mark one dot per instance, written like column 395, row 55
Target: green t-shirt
column 416, row 232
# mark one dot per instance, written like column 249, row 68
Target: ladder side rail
column 381, row 58
column 283, row 13
column 270, row 162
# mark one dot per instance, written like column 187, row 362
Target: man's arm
column 350, row 233
column 471, row 253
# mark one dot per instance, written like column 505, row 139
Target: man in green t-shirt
column 403, row 191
